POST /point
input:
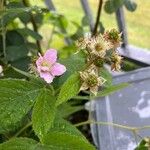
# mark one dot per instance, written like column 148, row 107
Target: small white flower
column 116, row 65
column 1, row 70
column 100, row 46
column 90, row 80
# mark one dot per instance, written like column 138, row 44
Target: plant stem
column 98, row 17
column 133, row 129
column 3, row 38
column 22, row 129
column 90, row 108
column 35, row 28
column 81, row 97
column 143, row 128
column 3, row 29
column 106, row 123
column 135, row 136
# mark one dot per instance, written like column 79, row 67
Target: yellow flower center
column 98, row 47
column 46, row 64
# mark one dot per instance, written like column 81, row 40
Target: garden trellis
column 127, row 106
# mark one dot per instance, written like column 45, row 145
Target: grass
column 138, row 22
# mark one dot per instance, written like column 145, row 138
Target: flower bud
column 99, row 62
column 92, row 80
column 114, row 35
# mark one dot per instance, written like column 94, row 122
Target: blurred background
column 138, row 22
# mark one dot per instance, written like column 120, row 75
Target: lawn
column 138, row 22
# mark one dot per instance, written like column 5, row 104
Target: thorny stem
column 98, row 17
column 35, row 28
column 133, row 129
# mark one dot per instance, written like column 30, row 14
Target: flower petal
column 39, row 61
column 50, row 56
column 44, row 68
column 47, row 76
column 1, row 69
column 94, row 90
column 58, row 69
column 84, row 86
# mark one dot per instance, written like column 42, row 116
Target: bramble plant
column 36, row 103
column 37, row 88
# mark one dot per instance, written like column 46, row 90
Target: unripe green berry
column 99, row 62
column 92, row 80
column 114, row 34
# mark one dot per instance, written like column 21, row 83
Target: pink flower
column 47, row 66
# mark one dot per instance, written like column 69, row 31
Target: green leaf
column 130, row 5
column 106, row 91
column 22, row 63
column 112, row 5
column 109, row 6
column 9, row 72
column 74, row 63
column 63, row 21
column 85, row 21
column 69, row 89
column 14, row 38
column 106, row 75
column 66, row 141
column 16, row 99
column 79, row 32
column 142, row 144
column 16, row 52
column 70, row 135
column 24, row 144
column 62, row 126
column 24, row 16
column 43, row 112
column 67, row 109
column 111, row 89
column 29, row 32
column 10, row 14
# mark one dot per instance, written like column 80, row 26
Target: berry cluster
column 99, row 49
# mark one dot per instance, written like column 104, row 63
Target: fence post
column 88, row 13
column 50, row 5
column 122, row 25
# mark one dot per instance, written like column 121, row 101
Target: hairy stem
column 133, row 129
column 98, row 17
